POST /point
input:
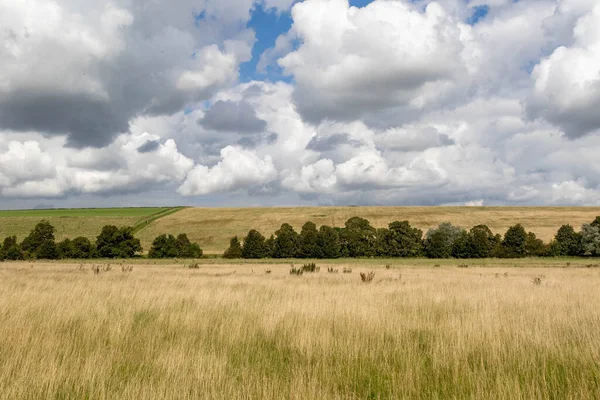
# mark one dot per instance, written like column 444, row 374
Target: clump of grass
column 96, row 269
column 537, row 280
column 333, row 270
column 107, row 268
column 348, row 270
column 311, row 267
column 296, row 271
column 388, row 266
column 82, row 268
column 267, row 271
column 368, row 277
column 436, row 266
column 126, row 268
column 193, row 265
column 463, row 266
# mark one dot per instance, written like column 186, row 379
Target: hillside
column 213, row 227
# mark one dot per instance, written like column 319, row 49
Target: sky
column 315, row 102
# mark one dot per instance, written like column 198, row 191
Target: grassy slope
column 213, row 227
column 76, row 222
column 166, row 332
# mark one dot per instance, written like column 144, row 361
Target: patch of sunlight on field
column 213, row 227
column 233, row 331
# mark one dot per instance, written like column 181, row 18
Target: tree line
column 112, row 242
column 359, row 239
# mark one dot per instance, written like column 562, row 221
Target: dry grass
column 226, row 332
column 213, row 227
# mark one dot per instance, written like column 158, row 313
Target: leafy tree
column 116, row 242
column 481, row 242
column 309, row 247
column 514, row 244
column 328, row 242
column 82, row 248
column 11, row 249
column 48, row 250
column 590, row 240
column 534, row 247
column 567, row 242
column 404, row 240
column 234, row 250
column 381, row 242
column 254, row 245
column 439, row 242
column 41, row 233
column 596, row 222
column 461, row 246
column 359, row 238
column 65, row 249
column 286, row 242
column 167, row 246
column 270, row 245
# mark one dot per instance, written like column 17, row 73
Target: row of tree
column 112, row 242
column 359, row 239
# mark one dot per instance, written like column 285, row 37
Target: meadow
column 510, row 329
column 87, row 222
column 213, row 227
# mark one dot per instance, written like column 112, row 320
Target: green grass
column 85, row 212
column 87, row 222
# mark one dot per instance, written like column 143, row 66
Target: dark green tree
column 11, row 250
column 481, row 242
column 116, row 242
column 404, row 240
column 82, row 248
column 535, row 247
column 309, row 247
column 163, row 246
column 359, row 238
column 567, row 242
column 440, row 241
column 461, row 247
column 234, row 250
column 41, row 233
column 187, row 249
column 514, row 244
column 254, row 245
column 286, row 243
column 65, row 249
column 47, row 251
column 328, row 242
column 382, row 237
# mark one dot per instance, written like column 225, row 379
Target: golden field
column 213, row 227
column 230, row 331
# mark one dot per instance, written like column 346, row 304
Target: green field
column 70, row 223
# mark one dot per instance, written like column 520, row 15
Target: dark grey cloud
column 149, row 147
column 86, row 121
column 229, row 116
column 331, row 143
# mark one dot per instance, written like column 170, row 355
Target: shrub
column 48, row 250
column 311, row 267
column 11, row 250
column 367, row 278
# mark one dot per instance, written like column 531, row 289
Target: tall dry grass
column 168, row 332
column 213, row 227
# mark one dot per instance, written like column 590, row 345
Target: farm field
column 224, row 331
column 213, row 227
column 70, row 223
